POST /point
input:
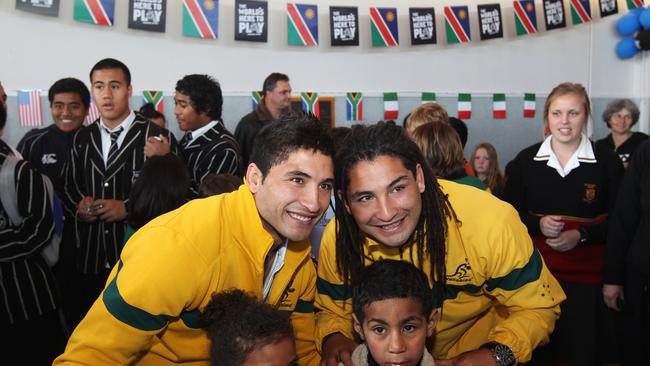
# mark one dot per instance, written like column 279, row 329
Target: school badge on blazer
column 590, row 193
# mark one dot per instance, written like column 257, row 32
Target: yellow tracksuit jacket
column 168, row 270
column 498, row 287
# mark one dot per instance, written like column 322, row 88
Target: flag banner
column 423, row 25
column 201, row 18
column 93, row 113
column 310, row 103
column 554, row 14
column 42, row 7
column 428, row 97
column 490, row 21
column 525, row 17
column 464, row 106
column 608, row 7
column 251, row 20
column 29, row 108
column 354, row 106
column 580, row 11
column 383, row 26
column 154, row 97
column 147, row 15
column 391, row 106
column 98, row 12
column 256, row 97
column 344, row 26
column 457, row 24
column 633, row 4
column 499, row 106
column 529, row 105
column 302, row 24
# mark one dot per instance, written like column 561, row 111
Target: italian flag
column 499, row 106
column 391, row 106
column 529, row 105
column 428, row 97
column 464, row 106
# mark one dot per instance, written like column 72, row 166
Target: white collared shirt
column 584, row 154
column 201, row 131
column 106, row 137
column 278, row 262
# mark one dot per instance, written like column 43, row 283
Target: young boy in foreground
column 393, row 314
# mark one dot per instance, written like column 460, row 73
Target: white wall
column 38, row 50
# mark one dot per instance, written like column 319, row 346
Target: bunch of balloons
column 635, row 27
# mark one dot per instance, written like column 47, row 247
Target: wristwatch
column 501, row 353
column 584, row 235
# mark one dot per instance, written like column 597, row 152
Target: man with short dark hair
column 3, row 97
column 105, row 160
column 207, row 147
column 253, row 239
column 276, row 101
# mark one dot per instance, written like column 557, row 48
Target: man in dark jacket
column 276, row 101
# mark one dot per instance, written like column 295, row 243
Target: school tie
column 186, row 140
column 112, row 151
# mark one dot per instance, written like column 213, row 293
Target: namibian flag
column 98, row 12
column 633, row 4
column 457, row 24
column 256, row 96
column 525, row 17
column 201, row 18
column 580, row 11
column 154, row 97
column 310, row 103
column 354, row 106
column 302, row 24
column 383, row 26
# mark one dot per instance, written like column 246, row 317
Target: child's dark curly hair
column 237, row 323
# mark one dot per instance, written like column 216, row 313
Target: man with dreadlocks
column 498, row 299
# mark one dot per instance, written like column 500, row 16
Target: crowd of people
column 289, row 243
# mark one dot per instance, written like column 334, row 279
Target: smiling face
column 383, row 196
column 188, row 119
column 294, row 194
column 68, row 111
column 396, row 331
column 280, row 353
column 567, row 118
column 111, row 94
column 621, row 122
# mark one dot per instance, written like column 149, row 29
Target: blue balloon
column 636, row 11
column 628, row 25
column 644, row 18
column 626, row 48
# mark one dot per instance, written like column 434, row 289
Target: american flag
column 93, row 113
column 29, row 108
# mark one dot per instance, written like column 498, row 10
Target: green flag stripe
column 82, row 13
column 377, row 39
column 189, row 28
column 127, row 313
column 499, row 97
column 463, row 97
column 529, row 96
